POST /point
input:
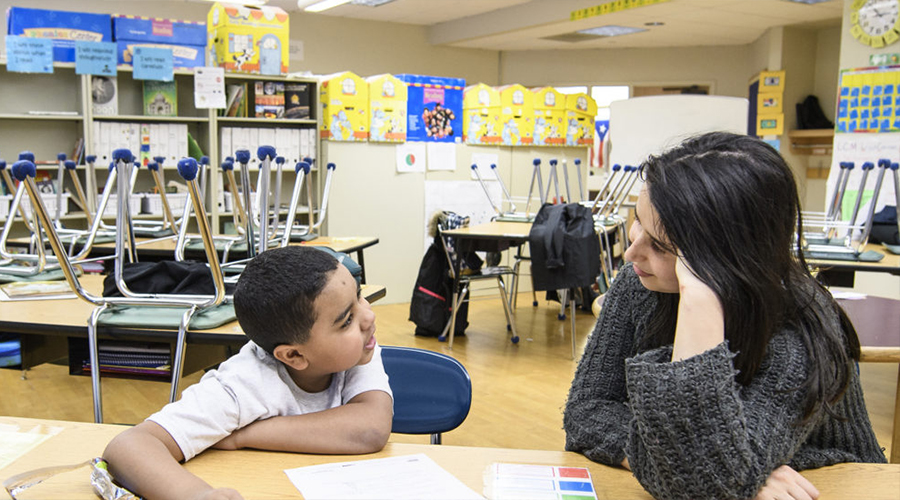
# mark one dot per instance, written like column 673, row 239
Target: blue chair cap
column 187, row 168
column 22, row 169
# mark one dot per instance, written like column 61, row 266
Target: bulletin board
column 869, row 100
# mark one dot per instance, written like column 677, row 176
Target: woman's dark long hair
column 729, row 203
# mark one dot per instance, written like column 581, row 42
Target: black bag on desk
column 884, row 226
column 168, row 276
column 565, row 248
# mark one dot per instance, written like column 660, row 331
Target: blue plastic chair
column 432, row 391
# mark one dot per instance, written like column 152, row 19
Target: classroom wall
column 724, row 68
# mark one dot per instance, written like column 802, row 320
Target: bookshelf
column 48, row 113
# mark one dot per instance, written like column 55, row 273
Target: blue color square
column 854, row 103
column 864, row 101
column 842, row 112
column 876, row 112
column 889, row 88
column 873, row 124
column 842, row 126
column 864, row 114
column 866, row 90
column 885, row 124
column 843, row 103
column 876, row 101
column 887, row 111
column 876, row 90
column 845, row 91
column 576, row 486
column 854, row 113
column 854, row 91
column 852, row 126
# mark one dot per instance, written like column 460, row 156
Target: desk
column 877, row 322
column 259, row 474
column 68, row 318
column 841, row 272
column 165, row 248
column 494, row 236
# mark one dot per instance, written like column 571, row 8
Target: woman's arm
column 596, row 418
column 701, row 322
column 363, row 425
column 699, row 434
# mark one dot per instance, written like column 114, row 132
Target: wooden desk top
column 69, row 317
column 493, row 230
column 259, row 475
column 890, row 263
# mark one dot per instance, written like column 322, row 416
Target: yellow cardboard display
column 549, row 117
column 387, row 108
column 516, row 115
column 345, row 107
column 580, row 113
column 246, row 39
column 481, row 114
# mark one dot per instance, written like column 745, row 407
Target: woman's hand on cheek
column 687, row 279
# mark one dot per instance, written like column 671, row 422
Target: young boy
column 311, row 381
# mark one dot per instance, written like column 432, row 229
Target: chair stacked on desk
column 24, row 171
column 831, row 235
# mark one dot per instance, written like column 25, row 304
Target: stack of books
column 132, row 359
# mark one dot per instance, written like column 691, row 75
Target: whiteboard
column 642, row 126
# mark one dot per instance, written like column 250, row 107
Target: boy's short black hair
column 275, row 296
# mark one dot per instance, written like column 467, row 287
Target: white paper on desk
column 404, row 477
column 14, row 442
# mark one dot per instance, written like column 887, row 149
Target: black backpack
column 811, row 116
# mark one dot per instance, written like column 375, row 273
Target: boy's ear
column 290, row 355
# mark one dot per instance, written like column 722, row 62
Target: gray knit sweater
column 690, row 431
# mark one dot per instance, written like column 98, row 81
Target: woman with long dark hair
column 719, row 366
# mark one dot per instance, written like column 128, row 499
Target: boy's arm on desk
column 363, row 425
column 145, row 459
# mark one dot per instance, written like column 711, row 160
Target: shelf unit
column 816, row 142
column 48, row 113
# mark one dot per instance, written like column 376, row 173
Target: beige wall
column 725, row 68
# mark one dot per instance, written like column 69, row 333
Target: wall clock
column 875, row 22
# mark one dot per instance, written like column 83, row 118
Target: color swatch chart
column 537, row 482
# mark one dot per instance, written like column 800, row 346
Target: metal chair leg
column 572, row 313
column 510, row 321
column 178, row 362
column 94, row 356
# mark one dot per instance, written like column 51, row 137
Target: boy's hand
column 220, row 494
column 785, row 482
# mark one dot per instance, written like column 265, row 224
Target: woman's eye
column 348, row 321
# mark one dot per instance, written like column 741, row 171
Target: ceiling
column 527, row 24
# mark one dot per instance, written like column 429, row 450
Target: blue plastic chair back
column 432, row 391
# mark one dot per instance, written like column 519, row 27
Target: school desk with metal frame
column 46, row 325
column 260, row 474
column 164, row 248
column 877, row 323
column 842, row 272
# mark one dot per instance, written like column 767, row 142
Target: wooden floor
column 519, row 390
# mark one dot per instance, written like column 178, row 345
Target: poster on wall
column 869, row 100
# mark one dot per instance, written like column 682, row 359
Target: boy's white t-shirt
column 252, row 385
